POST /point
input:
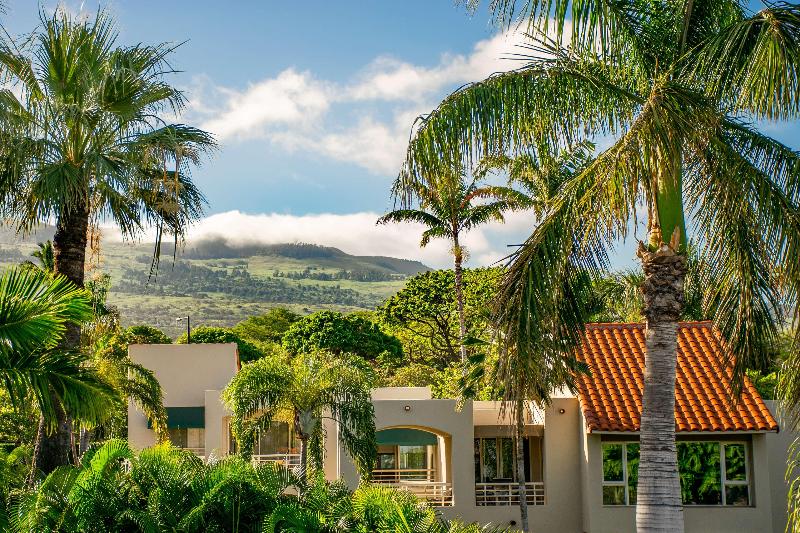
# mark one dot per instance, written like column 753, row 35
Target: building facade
column 580, row 451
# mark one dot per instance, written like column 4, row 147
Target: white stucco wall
column 191, row 375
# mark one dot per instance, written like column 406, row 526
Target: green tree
column 677, row 88
column 449, row 204
column 424, row 313
column 269, row 327
column 298, row 393
column 144, row 334
column 82, row 138
column 339, row 333
column 212, row 335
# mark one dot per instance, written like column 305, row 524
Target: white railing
column 437, row 493
column 403, row 474
column 289, row 460
column 508, row 493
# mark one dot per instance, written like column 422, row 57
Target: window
column 711, row 473
column 495, row 459
column 279, row 439
column 193, row 439
column 620, row 473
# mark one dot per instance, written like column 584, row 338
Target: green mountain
column 219, row 283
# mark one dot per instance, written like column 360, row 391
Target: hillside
column 217, row 283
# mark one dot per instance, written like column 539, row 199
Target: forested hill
column 218, row 283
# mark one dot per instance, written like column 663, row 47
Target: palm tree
column 528, row 380
column 676, row 89
column 449, row 206
column 303, row 392
column 35, row 309
column 86, row 142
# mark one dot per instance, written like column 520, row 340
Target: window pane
column 386, row 461
column 737, row 495
column 633, row 471
column 613, row 495
column 489, row 460
column 699, row 468
column 196, row 438
column 413, row 458
column 507, row 459
column 478, row 461
column 735, row 462
column 612, row 462
column 178, row 437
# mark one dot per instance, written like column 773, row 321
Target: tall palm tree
column 86, row 141
column 676, row 89
column 449, row 206
column 301, row 393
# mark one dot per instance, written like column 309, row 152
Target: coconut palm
column 449, row 206
column 83, row 139
column 311, row 387
column 675, row 88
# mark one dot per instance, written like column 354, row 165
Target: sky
column 312, row 104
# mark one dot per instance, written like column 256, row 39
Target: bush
column 167, row 489
column 211, row 335
column 144, row 334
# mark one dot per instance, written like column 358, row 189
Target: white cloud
column 390, row 79
column 357, row 233
column 293, row 109
column 292, row 99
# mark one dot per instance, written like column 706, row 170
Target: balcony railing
column 418, row 481
column 403, row 474
column 289, row 460
column 508, row 493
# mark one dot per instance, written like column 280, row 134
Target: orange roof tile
column 611, row 397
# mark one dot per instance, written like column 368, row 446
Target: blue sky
column 313, row 103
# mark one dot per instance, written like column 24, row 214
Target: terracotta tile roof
column 611, row 397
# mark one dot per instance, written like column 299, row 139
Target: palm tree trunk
column 519, row 450
column 303, row 455
column 69, row 250
column 658, row 504
column 458, row 257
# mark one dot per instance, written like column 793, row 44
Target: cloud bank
column 357, row 234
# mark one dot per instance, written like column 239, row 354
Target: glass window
column 188, row 438
column 386, row 461
column 507, row 459
column 614, row 474
column 711, row 473
column 699, row 468
column 413, row 458
column 737, row 486
column 489, row 460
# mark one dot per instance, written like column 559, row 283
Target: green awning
column 184, row 417
column 405, row 437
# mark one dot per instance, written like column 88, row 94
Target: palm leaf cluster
column 674, row 93
column 303, row 392
column 165, row 489
column 35, row 310
column 84, row 131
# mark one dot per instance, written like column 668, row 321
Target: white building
column 581, row 452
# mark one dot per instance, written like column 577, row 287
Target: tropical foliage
column 302, row 392
column 165, row 489
column 451, row 203
column 35, row 309
column 339, row 333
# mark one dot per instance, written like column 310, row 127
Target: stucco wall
column 777, row 450
column 191, row 375
column 698, row 519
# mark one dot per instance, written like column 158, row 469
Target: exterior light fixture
column 562, row 411
column 188, row 327
column 407, row 408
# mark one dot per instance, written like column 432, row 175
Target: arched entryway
column 416, row 459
